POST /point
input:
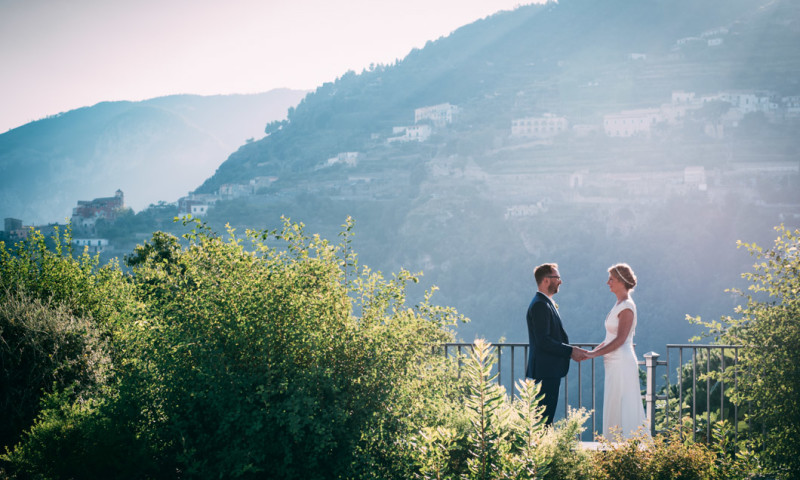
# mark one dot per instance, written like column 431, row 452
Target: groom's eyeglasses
column 554, row 276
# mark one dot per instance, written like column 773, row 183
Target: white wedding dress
column 623, row 412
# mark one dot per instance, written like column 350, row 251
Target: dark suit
column 549, row 352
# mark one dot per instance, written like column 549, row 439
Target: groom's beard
column 553, row 289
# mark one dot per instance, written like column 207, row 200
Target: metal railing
column 660, row 398
column 716, row 358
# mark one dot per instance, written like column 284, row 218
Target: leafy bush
column 281, row 359
column 662, row 458
column 567, row 460
column 60, row 276
column 734, row 456
column 504, row 438
column 428, row 413
column 489, row 415
column 254, row 362
column 668, row 457
column 79, row 439
column 435, row 448
column 276, row 356
column 769, row 374
column 623, row 461
column 43, row 348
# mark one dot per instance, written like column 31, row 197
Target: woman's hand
column 594, row 353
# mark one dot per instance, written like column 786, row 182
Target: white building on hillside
column 196, row 204
column 234, row 190
column 688, row 40
column 420, row 133
column 93, row 245
column 715, row 32
column 546, row 126
column 695, row 176
column 632, row 122
column 745, row 101
column 440, row 115
column 198, row 210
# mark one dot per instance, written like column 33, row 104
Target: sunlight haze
column 58, row 56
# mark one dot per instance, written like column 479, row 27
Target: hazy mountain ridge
column 153, row 150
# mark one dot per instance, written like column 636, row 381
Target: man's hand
column 579, row 354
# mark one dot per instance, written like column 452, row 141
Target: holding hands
column 579, row 354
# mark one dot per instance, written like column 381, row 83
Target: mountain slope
column 537, row 59
column 153, row 150
column 476, row 208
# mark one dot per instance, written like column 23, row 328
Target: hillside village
column 548, row 129
column 526, row 191
column 508, row 173
column 85, row 217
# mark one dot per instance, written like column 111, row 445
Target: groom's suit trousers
column 550, row 388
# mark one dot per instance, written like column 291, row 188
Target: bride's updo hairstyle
column 624, row 273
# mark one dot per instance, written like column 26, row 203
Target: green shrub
column 55, row 276
column 278, row 360
column 58, row 313
column 489, row 415
column 529, row 460
column 43, row 348
column 435, row 448
column 561, row 447
column 668, row 457
column 768, row 374
column 428, row 414
column 622, row 460
column 266, row 361
column 504, row 438
column 735, row 457
column 78, row 439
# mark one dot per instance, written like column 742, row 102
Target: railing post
column 650, row 361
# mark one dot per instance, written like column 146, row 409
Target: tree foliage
column 767, row 327
column 276, row 355
column 44, row 348
column 56, row 307
column 501, row 438
column 271, row 355
column 264, row 344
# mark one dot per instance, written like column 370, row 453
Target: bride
column 623, row 413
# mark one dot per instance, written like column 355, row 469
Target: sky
column 58, row 55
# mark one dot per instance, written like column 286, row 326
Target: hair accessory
column 622, row 277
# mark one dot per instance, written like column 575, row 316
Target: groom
column 549, row 353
